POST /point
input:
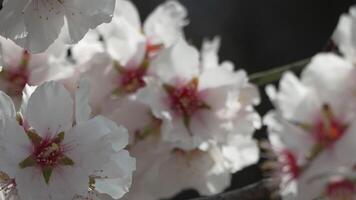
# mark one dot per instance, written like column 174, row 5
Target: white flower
column 345, row 35
column 313, row 129
column 46, row 157
column 35, row 25
column 20, row 68
column 126, row 36
column 114, row 89
column 198, row 104
column 182, row 159
column 147, row 151
column 336, row 185
column 168, row 170
column 128, row 41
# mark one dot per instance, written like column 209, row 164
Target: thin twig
column 271, row 75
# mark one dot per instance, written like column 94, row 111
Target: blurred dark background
column 258, row 35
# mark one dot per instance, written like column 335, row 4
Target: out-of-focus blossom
column 43, row 156
column 339, row 184
column 35, row 25
column 198, row 104
column 345, row 35
column 208, row 171
column 205, row 166
column 125, row 35
column 117, row 59
column 20, row 68
column 128, row 41
column 312, row 129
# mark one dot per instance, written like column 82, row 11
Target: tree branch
column 274, row 74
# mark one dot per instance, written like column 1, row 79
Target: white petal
column 183, row 62
column 118, row 135
column 327, row 74
column 14, row 145
column 123, row 41
column 153, row 95
column 82, row 96
column 166, row 22
column 127, row 10
column 284, row 133
column 119, row 172
column 31, row 184
column 83, row 15
column 50, row 109
column 89, row 143
column 7, row 107
column 203, row 171
column 344, row 35
column 26, row 94
column 130, row 113
column 12, row 23
column 68, row 181
column 103, row 79
column 210, row 58
column 43, row 26
column 217, row 77
column 241, row 152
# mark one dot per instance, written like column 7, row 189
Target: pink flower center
column 328, row 129
column 17, row 77
column 132, row 79
column 152, row 49
column 185, row 101
column 48, row 153
column 340, row 190
column 291, row 164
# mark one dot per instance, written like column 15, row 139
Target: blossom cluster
column 85, row 86
column 97, row 105
column 312, row 129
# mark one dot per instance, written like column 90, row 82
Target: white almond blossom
column 333, row 186
column 207, row 166
column 312, row 129
column 345, row 35
column 35, row 24
column 43, row 156
column 163, row 170
column 20, row 68
column 125, row 35
column 128, row 41
column 198, row 104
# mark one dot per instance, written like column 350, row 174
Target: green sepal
column 306, row 127
column 168, row 88
column 118, row 67
column 59, row 138
column 118, row 92
column 28, row 162
column 204, row 105
column 66, row 161
column 34, row 137
column 47, row 173
column 186, row 121
column 145, row 64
